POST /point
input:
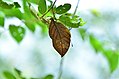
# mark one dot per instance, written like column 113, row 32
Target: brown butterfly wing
column 60, row 36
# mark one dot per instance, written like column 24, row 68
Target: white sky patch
column 116, row 30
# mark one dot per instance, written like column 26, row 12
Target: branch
column 61, row 68
column 49, row 9
column 75, row 9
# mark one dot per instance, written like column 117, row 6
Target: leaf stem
column 49, row 9
column 61, row 68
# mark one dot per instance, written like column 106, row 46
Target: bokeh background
column 36, row 57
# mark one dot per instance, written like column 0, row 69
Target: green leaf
column 8, row 75
column 82, row 32
column 2, row 18
column 68, row 21
column 42, row 7
column 113, row 59
column 28, row 16
column 82, row 22
column 5, row 5
column 17, row 32
column 63, row 8
column 1, row 21
column 65, row 20
column 30, row 25
column 96, row 44
column 15, row 12
column 49, row 77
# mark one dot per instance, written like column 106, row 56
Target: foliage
column 59, row 22
column 63, row 8
column 17, row 32
column 111, row 55
column 32, row 18
column 8, row 75
column 18, row 75
column 2, row 19
column 70, row 21
column 42, row 7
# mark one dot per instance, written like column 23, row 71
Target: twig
column 61, row 68
column 35, row 14
column 53, row 14
column 49, row 9
column 75, row 9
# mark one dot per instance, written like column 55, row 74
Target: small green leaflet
column 82, row 22
column 71, row 22
column 65, row 20
column 82, row 32
column 17, row 32
column 63, row 8
column 113, row 61
column 49, row 77
column 113, row 58
column 42, row 7
column 8, row 75
column 96, row 44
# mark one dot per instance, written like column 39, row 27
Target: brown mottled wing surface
column 60, row 36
